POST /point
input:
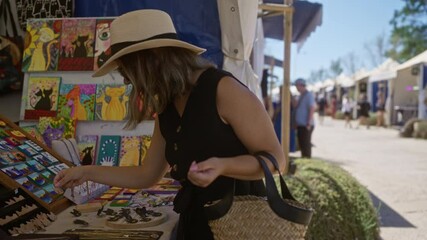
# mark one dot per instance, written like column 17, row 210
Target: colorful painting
column 49, row 157
column 33, row 145
column 27, row 150
column 26, row 183
column 55, row 128
column 146, row 142
column 77, row 101
column 58, row 167
column 111, row 102
column 130, row 151
column 34, row 132
column 35, row 166
column 12, row 141
column 15, row 133
column 41, row 45
column 42, row 160
column 42, row 97
column 77, row 45
column 87, row 148
column 5, row 146
column 109, row 150
column 48, row 175
column 12, row 172
column 102, row 43
column 43, row 195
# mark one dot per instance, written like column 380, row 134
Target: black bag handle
column 281, row 207
column 286, row 194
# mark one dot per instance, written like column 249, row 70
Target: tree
column 377, row 49
column 336, row 68
column 409, row 34
column 351, row 63
column 318, row 75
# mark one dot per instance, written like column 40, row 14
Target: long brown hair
column 158, row 76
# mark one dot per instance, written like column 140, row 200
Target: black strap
column 278, row 205
column 286, row 194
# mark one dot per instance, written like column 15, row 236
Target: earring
column 139, row 101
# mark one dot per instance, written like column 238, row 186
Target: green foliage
column 372, row 120
column 420, row 129
column 339, row 115
column 343, row 208
column 336, row 68
column 409, row 35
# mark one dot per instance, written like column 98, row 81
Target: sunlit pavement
column 393, row 169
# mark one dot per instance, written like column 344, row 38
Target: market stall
column 410, row 89
column 382, row 79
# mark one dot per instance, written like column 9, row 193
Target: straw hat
column 138, row 30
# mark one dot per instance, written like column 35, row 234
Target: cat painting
column 87, row 156
column 77, row 101
column 42, row 97
column 51, row 134
column 87, row 148
column 77, row 44
column 130, row 151
column 111, row 102
column 41, row 45
column 80, row 46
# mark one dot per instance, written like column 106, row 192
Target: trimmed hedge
column 343, row 207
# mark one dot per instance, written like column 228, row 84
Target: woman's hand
column 70, row 177
column 202, row 174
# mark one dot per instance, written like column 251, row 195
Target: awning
column 420, row 58
column 385, row 71
column 307, row 16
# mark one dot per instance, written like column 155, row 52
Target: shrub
column 343, row 207
column 339, row 115
column 420, row 129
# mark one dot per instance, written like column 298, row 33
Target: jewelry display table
column 65, row 222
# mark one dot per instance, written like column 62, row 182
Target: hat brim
column 111, row 63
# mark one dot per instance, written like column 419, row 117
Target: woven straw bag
column 253, row 217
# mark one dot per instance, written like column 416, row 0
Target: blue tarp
column 196, row 21
column 304, row 13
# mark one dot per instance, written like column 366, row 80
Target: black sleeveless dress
column 196, row 136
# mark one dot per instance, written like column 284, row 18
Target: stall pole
column 287, row 11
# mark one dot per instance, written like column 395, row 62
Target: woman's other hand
column 202, row 174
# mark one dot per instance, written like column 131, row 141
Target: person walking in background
column 347, row 107
column 333, row 106
column 363, row 107
column 322, row 104
column 304, row 121
column 380, row 105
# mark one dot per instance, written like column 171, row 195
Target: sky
column 346, row 26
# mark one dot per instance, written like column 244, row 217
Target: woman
column 380, row 105
column 347, row 108
column 207, row 126
column 363, row 107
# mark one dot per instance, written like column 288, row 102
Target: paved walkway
column 392, row 168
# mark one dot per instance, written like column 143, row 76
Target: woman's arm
column 245, row 113
column 152, row 170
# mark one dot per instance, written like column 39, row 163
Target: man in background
column 304, row 120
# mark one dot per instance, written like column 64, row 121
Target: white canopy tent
column 409, row 87
column 385, row 72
